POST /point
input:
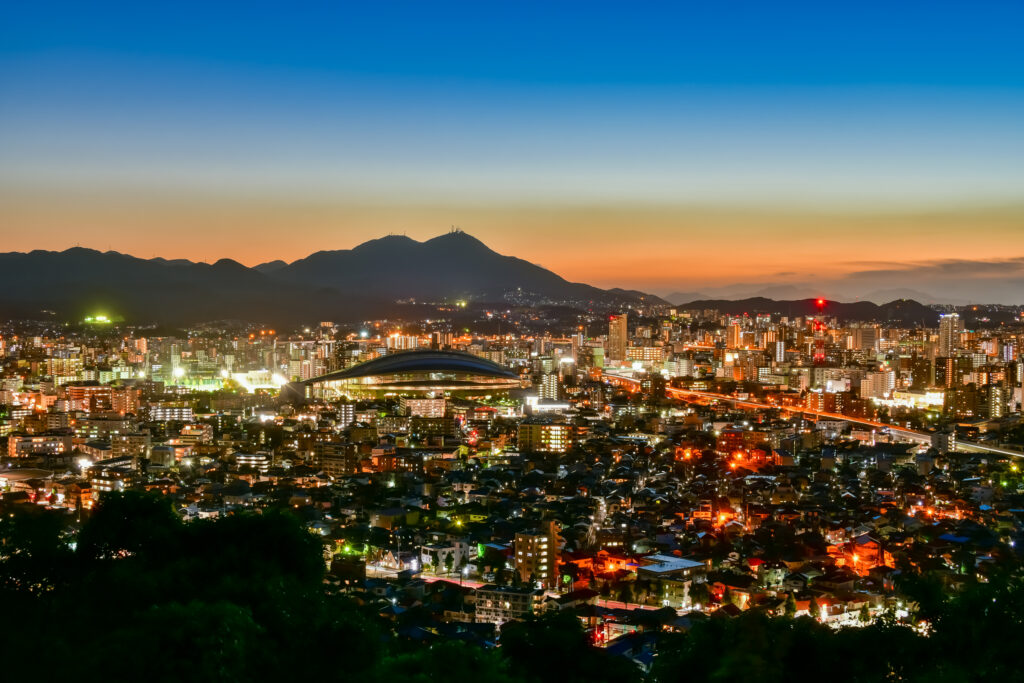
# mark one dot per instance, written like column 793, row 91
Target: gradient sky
column 687, row 146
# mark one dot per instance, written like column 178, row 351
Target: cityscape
column 372, row 361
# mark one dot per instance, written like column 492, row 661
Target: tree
column 197, row 642
column 130, row 523
column 789, row 610
column 449, row 561
column 756, row 648
column 553, row 648
column 33, row 557
column 814, row 609
column 625, row 593
column 493, row 559
column 451, row 661
column 699, row 593
column 865, row 614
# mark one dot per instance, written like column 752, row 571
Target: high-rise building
column 441, row 340
column 549, row 437
column 950, row 328
column 865, row 337
column 779, row 351
column 537, row 556
column 548, row 387
column 878, row 384
column 997, row 399
column 922, row 373
column 402, row 342
column 734, row 336
column 618, row 337
column 423, row 407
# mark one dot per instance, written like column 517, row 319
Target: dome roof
column 421, row 361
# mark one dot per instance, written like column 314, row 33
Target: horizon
column 733, row 292
column 605, row 146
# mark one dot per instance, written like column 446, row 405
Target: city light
column 740, row 394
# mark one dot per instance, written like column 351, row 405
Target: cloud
column 974, row 269
column 952, row 281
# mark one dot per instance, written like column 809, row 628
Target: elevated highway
column 694, row 396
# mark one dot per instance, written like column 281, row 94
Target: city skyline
column 880, row 144
column 512, row 342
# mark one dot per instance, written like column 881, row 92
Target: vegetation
column 136, row 593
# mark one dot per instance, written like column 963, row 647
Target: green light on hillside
column 98, row 320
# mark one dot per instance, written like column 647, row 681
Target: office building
column 950, row 328
column 618, row 337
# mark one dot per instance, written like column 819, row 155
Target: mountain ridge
column 354, row 284
column 901, row 311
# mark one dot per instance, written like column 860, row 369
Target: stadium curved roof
column 420, row 361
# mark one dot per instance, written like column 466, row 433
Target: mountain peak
column 457, row 238
column 386, row 242
column 229, row 263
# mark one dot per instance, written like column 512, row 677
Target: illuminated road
column 692, row 395
column 974, row 446
column 615, row 604
column 468, row 583
column 902, row 432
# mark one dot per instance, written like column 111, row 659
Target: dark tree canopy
column 145, row 596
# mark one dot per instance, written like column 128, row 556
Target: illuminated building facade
column 536, row 556
column 549, row 437
column 950, row 328
column 499, row 604
column 618, row 337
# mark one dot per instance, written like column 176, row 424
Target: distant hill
column 270, row 266
column 904, row 293
column 683, row 297
column 80, row 282
column 344, row 285
column 902, row 311
column 451, row 266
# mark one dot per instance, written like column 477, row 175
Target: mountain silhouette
column 902, row 311
column 455, row 265
column 349, row 284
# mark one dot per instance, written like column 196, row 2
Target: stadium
column 416, row 373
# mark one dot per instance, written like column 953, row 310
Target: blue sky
column 736, row 102
column 968, row 44
column 826, row 106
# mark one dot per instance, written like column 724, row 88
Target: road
column 975, row 447
column 615, row 604
column 902, row 432
column 692, row 395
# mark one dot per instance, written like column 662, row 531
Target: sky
column 849, row 149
